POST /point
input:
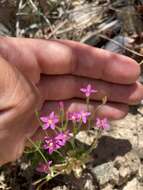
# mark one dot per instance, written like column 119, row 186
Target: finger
column 102, row 64
column 18, row 101
column 67, row 87
column 110, row 110
column 67, row 57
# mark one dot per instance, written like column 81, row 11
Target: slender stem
column 38, row 181
column 60, row 154
column 38, row 149
column 66, row 124
column 62, row 118
column 74, row 135
column 40, row 123
column 74, row 128
column 87, row 103
column 38, row 117
column 94, row 143
column 104, row 100
column 88, row 119
column 72, row 142
column 42, row 183
column 79, row 127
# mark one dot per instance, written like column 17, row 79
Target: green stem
column 66, row 124
column 79, row 127
column 94, row 143
column 39, row 181
column 38, row 149
column 74, row 129
column 87, row 103
column 60, row 154
column 62, row 119
column 40, row 123
column 38, row 117
column 88, row 119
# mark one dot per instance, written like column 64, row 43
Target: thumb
column 18, row 101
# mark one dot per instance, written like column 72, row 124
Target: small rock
column 128, row 166
column 118, row 172
column 130, row 128
column 108, row 187
column 124, row 174
column 103, row 173
column 115, row 176
column 61, row 188
column 89, row 185
column 86, row 137
column 140, row 174
column 133, row 185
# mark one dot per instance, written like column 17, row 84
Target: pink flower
column 74, row 116
column 50, row 144
column 102, row 123
column 54, row 143
column 88, row 90
column 44, row 167
column 77, row 116
column 83, row 116
column 50, row 121
column 63, row 137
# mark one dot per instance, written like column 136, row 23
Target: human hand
column 35, row 74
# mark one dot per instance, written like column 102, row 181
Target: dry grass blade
column 120, row 45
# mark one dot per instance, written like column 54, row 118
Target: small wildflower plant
column 59, row 153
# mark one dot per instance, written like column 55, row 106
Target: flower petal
column 44, row 119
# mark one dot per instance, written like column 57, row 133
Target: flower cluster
column 51, row 144
column 59, row 124
column 79, row 116
column 102, row 123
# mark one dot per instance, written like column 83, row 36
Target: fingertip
column 113, row 111
column 133, row 69
column 137, row 95
column 125, row 70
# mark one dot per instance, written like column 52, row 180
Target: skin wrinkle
column 4, row 50
column 33, row 65
column 88, row 54
column 79, row 61
column 100, row 75
column 6, row 92
column 54, row 64
column 74, row 63
column 103, row 72
column 74, row 86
